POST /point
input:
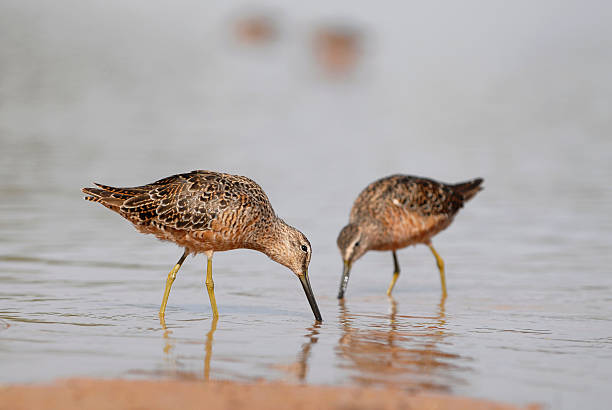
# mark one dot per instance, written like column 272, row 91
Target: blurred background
column 314, row 101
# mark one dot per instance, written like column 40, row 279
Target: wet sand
column 122, row 394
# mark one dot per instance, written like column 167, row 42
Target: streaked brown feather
column 403, row 210
column 200, row 201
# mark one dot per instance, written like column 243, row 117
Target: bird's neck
column 272, row 239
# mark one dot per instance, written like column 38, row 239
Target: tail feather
column 110, row 197
column 469, row 188
column 123, row 192
column 92, row 199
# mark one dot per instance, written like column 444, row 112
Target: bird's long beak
column 311, row 299
column 344, row 280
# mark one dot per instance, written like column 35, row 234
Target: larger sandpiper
column 207, row 212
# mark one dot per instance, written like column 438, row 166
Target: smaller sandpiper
column 397, row 211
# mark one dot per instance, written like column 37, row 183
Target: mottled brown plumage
column 397, row 211
column 206, row 212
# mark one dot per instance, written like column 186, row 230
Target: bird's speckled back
column 230, row 211
column 401, row 210
column 420, row 195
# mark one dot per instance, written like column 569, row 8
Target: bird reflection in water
column 399, row 351
column 209, row 343
column 299, row 368
column 169, row 345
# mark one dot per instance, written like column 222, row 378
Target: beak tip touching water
column 310, row 296
column 341, row 292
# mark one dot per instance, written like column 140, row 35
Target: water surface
column 528, row 316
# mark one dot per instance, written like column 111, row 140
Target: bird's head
column 353, row 243
column 292, row 249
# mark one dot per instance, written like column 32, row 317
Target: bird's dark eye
column 304, row 248
column 357, row 243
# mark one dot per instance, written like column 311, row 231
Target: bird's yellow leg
column 440, row 263
column 210, row 285
column 396, row 272
column 169, row 281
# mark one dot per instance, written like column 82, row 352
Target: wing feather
column 190, row 201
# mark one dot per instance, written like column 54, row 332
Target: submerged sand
column 184, row 395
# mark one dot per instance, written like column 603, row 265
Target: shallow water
column 528, row 317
